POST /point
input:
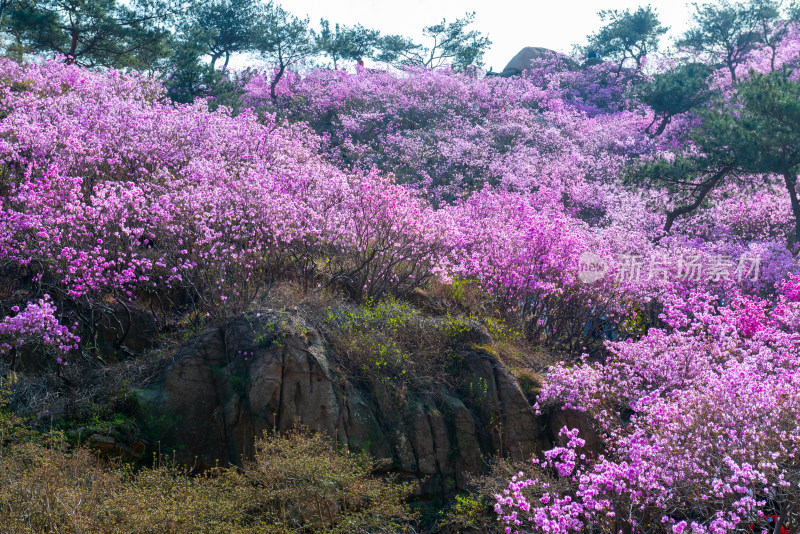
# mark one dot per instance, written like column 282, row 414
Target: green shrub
column 470, row 511
column 391, row 343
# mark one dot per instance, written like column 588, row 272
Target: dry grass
column 299, row 482
column 46, row 488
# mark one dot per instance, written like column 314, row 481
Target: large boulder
column 524, row 59
column 272, row 370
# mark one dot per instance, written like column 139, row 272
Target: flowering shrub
column 452, row 133
column 37, row 325
column 699, row 421
column 527, row 258
column 374, row 238
column 109, row 194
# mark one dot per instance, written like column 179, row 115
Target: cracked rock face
column 270, row 371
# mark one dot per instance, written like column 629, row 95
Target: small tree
column 452, row 43
column 766, row 134
column 755, row 133
column 353, row 43
column 676, row 92
column 224, row 27
column 772, row 30
column 93, row 32
column 725, row 32
column 284, row 40
column 190, row 77
column 399, row 50
column 5, row 6
column 627, row 35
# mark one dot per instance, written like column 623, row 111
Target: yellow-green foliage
column 458, row 290
column 373, row 336
column 500, row 331
column 390, row 342
column 464, row 293
column 305, row 483
column 470, row 511
column 454, row 327
column 635, row 325
column 387, row 315
column 466, row 296
column 296, row 483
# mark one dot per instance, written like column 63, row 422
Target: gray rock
column 271, row 371
column 524, row 58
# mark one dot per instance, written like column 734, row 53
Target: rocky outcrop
column 272, row 370
column 112, row 445
column 525, row 58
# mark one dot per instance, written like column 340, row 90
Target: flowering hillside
column 656, row 265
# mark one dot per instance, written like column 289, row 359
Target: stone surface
column 112, row 446
column 271, row 370
column 522, row 61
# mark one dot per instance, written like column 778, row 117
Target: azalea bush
column 36, row 325
column 699, row 424
column 110, row 195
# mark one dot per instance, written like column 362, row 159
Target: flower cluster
column 698, row 420
column 37, row 324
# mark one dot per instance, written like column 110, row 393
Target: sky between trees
column 510, row 24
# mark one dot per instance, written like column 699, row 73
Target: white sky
column 509, row 24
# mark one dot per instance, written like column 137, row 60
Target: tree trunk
column 790, row 178
column 704, row 190
column 661, row 126
column 275, row 81
column 772, row 58
column 214, row 57
column 73, row 47
column 732, row 69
